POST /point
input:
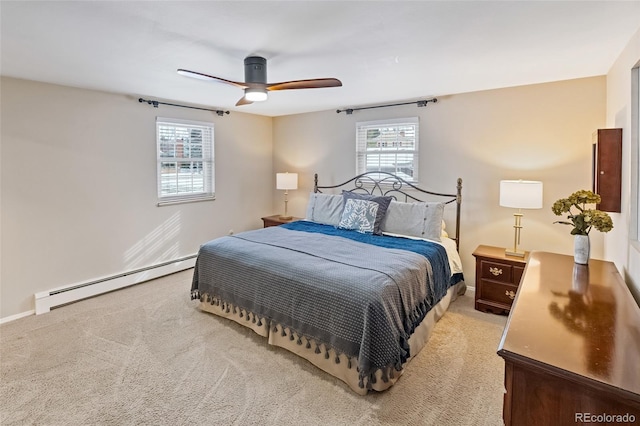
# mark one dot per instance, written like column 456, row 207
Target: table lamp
column 286, row 181
column 520, row 194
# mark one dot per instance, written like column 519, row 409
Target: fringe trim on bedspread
column 366, row 378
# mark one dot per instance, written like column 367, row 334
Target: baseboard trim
column 17, row 316
column 46, row 300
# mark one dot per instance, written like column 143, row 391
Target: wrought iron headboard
column 388, row 184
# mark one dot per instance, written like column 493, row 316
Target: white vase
column 581, row 248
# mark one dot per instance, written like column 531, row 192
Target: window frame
column 206, row 158
column 363, row 153
column 634, row 223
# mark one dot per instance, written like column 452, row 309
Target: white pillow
column 444, row 234
column 422, row 220
column 324, row 208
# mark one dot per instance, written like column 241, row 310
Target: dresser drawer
column 496, row 292
column 497, row 271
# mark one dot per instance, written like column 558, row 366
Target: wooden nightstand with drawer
column 497, row 278
column 275, row 220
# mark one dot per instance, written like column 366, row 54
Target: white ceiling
column 381, row 51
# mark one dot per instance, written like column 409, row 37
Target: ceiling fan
column 255, row 85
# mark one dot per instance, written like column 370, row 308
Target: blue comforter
column 428, row 249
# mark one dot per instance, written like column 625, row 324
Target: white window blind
column 388, row 146
column 185, row 157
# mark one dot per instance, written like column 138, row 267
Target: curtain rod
column 156, row 103
column 422, row 103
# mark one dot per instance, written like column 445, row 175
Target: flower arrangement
column 584, row 219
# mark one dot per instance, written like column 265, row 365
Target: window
column 634, row 229
column 185, row 160
column 388, row 146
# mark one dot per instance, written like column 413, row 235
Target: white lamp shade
column 286, row 180
column 521, row 194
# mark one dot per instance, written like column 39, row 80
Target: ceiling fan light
column 255, row 95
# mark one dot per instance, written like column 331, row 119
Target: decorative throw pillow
column 359, row 215
column 325, row 208
column 383, row 203
column 422, row 220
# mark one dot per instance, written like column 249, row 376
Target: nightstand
column 497, row 278
column 275, row 220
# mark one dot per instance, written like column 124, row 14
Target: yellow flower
column 584, row 219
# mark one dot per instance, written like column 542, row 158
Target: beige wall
column 538, row 132
column 78, row 196
column 78, row 185
column 620, row 247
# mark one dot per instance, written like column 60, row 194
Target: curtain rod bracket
column 156, row 103
column 425, row 102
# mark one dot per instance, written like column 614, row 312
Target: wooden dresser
column 571, row 346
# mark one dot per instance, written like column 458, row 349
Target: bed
column 355, row 288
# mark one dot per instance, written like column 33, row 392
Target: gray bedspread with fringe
column 361, row 300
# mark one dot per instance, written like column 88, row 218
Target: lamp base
column 514, row 253
column 285, row 217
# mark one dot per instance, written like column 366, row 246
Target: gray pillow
column 359, row 215
column 382, row 210
column 422, row 220
column 325, row 208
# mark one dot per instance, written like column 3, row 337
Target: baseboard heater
column 63, row 295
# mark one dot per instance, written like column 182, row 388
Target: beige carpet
column 146, row 355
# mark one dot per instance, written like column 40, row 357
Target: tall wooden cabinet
column 607, row 168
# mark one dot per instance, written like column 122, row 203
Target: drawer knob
column 495, row 271
column 510, row 293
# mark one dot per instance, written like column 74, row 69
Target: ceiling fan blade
column 243, row 101
column 314, row 83
column 207, row 77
